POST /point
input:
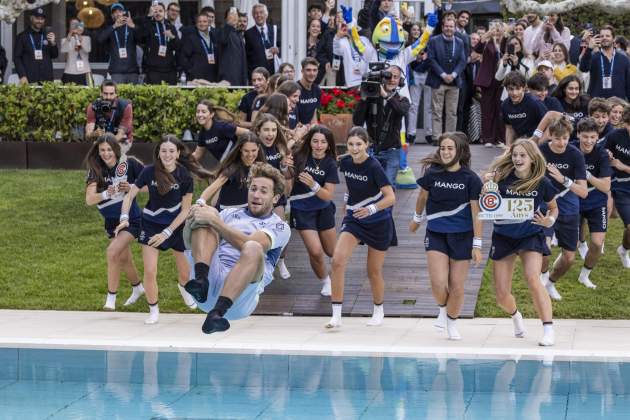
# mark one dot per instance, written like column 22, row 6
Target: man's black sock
column 201, row 271
column 222, row 305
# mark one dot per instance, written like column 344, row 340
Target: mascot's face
column 389, row 36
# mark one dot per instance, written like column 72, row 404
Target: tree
column 564, row 6
column 11, row 9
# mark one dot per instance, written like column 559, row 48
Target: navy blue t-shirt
column 163, row 209
column 525, row 116
column 571, row 164
column 542, row 194
column 110, row 209
column 234, row 192
column 602, row 136
column 618, row 142
column 450, row 193
column 273, row 155
column 247, row 104
column 294, row 118
column 598, row 164
column 575, row 115
column 219, row 139
column 553, row 104
column 309, row 103
column 323, row 171
column 364, row 182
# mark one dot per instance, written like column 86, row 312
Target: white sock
column 548, row 338
column 519, row 328
column 188, row 299
column 335, row 321
column 377, row 316
column 585, row 272
column 440, row 321
column 326, row 286
column 282, row 269
column 451, row 327
column 547, row 328
column 136, row 292
column 154, row 314
column 110, row 301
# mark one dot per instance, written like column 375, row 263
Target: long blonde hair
column 503, row 166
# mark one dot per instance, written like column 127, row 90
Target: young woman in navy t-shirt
column 216, row 136
column 170, row 187
column 231, row 176
column 109, row 179
column 450, row 195
column 277, row 152
column 312, row 209
column 520, row 173
column 368, row 220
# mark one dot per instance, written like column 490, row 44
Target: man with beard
column 35, row 48
column 198, row 56
column 235, row 252
column 609, row 70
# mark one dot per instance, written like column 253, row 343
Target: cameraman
column 110, row 114
column 382, row 117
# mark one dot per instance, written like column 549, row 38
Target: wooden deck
column 407, row 288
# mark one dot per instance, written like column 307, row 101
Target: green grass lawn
column 52, row 256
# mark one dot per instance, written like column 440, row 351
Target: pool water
column 89, row 384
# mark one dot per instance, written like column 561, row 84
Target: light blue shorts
column 244, row 305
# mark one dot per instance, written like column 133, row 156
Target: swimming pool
column 92, row 384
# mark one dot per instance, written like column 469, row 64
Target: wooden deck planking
column 405, row 269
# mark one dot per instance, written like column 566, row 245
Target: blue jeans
column 390, row 161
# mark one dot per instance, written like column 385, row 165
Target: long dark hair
column 97, row 169
column 559, row 25
column 462, row 151
column 165, row 180
column 303, row 151
column 277, row 105
column 233, row 162
column 281, row 140
column 580, row 102
column 519, row 54
column 219, row 112
column 359, row 132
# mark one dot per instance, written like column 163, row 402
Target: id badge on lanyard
column 162, row 51
column 607, row 82
column 210, row 58
column 39, row 55
column 80, row 64
column 336, row 63
column 122, row 52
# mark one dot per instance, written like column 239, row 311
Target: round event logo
column 121, row 169
column 490, row 201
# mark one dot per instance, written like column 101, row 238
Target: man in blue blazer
column 260, row 44
column 447, row 61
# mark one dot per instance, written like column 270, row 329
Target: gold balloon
column 82, row 4
column 107, row 2
column 91, row 17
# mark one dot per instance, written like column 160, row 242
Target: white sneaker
column 548, row 338
column 326, row 287
column 188, row 299
column 154, row 314
column 519, row 327
column 623, row 255
column 583, row 278
column 583, row 249
column 136, row 293
column 553, row 293
column 440, row 321
column 451, row 328
column 378, row 315
column 282, row 269
column 488, row 145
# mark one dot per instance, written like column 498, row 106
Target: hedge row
column 57, row 113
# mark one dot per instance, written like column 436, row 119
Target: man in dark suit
column 260, row 43
column 198, row 56
column 465, row 94
column 232, row 61
column 34, row 50
column 447, row 61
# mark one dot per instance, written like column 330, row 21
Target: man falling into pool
column 235, row 251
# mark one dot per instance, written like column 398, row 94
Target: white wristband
column 123, row 217
column 372, row 209
column 167, row 232
column 538, row 133
column 567, row 182
column 201, row 201
column 105, row 195
column 316, row 187
column 345, row 197
column 589, row 175
column 477, row 243
column 419, row 218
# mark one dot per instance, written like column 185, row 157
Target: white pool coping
column 483, row 338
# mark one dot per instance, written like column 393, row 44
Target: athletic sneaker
column 282, row 269
column 548, row 338
column 583, row 249
column 553, row 293
column 623, row 255
column 583, row 278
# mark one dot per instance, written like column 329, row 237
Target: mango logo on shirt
column 449, row 185
column 314, row 171
column 522, row 194
column 622, row 150
column 560, row 165
column 514, row 116
column 212, row 140
column 357, row 177
column 173, row 187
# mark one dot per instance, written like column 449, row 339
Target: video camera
column 101, row 107
column 374, row 79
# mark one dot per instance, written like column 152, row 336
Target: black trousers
column 157, row 77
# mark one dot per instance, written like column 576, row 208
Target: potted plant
column 336, row 111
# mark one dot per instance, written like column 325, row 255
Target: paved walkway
column 482, row 337
column 407, row 290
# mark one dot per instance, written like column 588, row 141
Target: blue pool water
column 78, row 384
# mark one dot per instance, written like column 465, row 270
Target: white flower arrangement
column 11, row 9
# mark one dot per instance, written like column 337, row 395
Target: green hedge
column 57, row 113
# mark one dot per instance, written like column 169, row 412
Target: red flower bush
column 339, row 101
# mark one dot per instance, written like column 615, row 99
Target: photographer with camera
column 110, row 114
column 35, row 48
column 121, row 39
column 382, row 109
